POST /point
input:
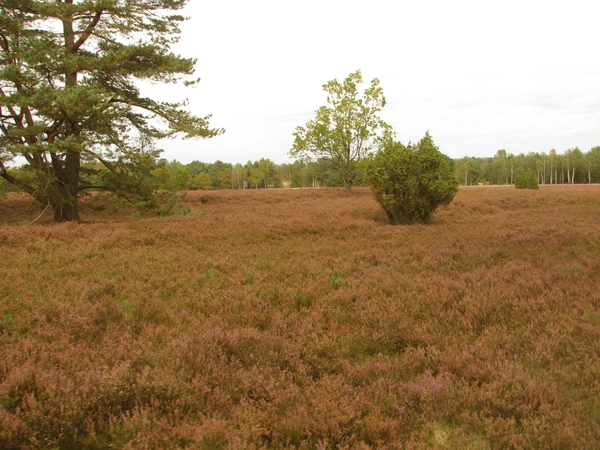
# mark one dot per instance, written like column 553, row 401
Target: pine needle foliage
column 70, row 96
column 411, row 182
column 527, row 180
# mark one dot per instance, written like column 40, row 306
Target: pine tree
column 69, row 102
column 411, row 182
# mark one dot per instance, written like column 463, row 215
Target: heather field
column 301, row 319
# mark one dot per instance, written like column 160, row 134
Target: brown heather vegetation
column 301, row 319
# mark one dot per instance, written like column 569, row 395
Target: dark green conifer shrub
column 410, row 182
column 527, row 180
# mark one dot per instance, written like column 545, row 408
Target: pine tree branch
column 88, row 30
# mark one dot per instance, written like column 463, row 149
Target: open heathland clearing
column 301, row 319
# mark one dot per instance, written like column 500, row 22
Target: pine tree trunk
column 64, row 195
column 66, row 212
column 65, row 198
column 66, row 208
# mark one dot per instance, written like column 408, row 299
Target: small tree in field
column 410, row 182
column 527, row 180
column 345, row 132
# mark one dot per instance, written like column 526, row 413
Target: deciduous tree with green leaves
column 69, row 98
column 347, row 130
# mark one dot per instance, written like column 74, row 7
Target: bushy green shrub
column 410, row 182
column 527, row 180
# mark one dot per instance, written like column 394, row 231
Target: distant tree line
column 196, row 175
column 571, row 167
column 261, row 174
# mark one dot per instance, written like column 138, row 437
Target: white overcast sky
column 480, row 75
